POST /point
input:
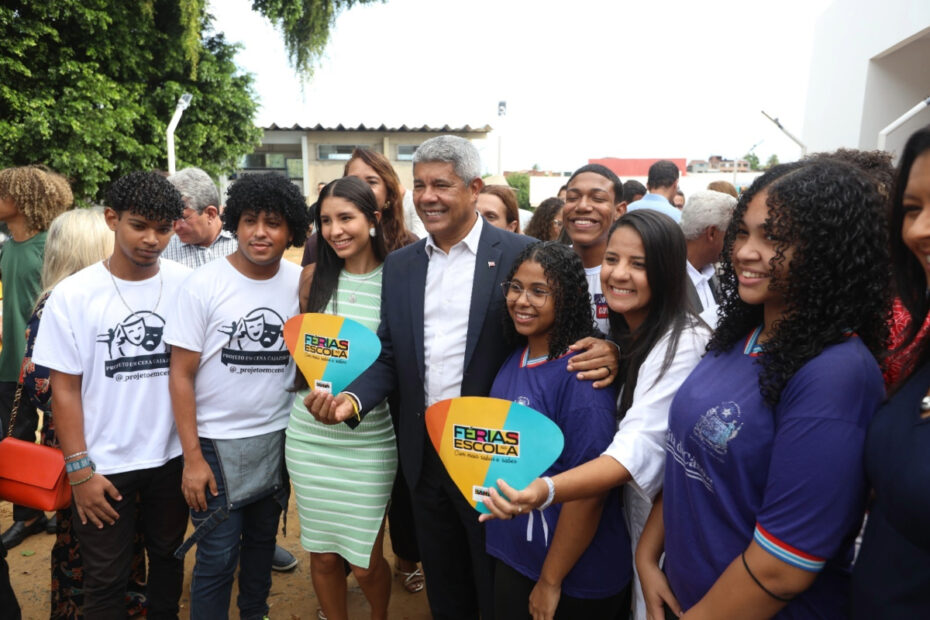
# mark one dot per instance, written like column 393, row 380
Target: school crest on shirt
column 256, row 342
column 135, row 345
column 717, row 427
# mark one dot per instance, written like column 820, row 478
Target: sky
column 582, row 79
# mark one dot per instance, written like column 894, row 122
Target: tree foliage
column 305, row 25
column 753, row 160
column 87, row 87
column 772, row 161
column 521, row 182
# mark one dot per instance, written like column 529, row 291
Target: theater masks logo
column 256, row 343
column 135, row 345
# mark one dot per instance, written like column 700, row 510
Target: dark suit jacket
column 401, row 364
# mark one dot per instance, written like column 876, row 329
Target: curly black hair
column 565, row 273
column 268, row 193
column 875, row 164
column 540, row 226
column 832, row 216
column 147, row 194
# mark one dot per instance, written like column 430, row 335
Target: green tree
column 521, row 182
column 89, row 86
column 305, row 25
column 772, row 161
column 753, row 160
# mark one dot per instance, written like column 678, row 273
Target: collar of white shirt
column 471, row 239
column 704, row 275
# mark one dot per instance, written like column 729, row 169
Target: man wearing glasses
column 199, row 236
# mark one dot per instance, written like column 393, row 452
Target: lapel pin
column 491, row 264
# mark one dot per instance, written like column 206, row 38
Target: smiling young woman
column 346, row 280
column 892, row 575
column 764, row 488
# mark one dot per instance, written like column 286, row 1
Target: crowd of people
column 742, row 380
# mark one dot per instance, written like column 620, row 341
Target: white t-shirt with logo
column 237, row 325
column 88, row 330
column 598, row 301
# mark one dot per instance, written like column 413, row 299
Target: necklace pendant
column 352, row 301
column 925, row 403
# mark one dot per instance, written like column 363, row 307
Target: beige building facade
column 312, row 155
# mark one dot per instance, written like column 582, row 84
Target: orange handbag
column 32, row 475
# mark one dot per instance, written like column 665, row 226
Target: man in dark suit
column 442, row 312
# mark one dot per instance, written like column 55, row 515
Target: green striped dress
column 342, row 477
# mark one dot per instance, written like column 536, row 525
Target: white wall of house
column 870, row 64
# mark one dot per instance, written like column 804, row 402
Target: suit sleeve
column 376, row 383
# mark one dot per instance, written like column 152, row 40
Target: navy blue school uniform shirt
column 790, row 478
column 891, row 578
column 587, row 418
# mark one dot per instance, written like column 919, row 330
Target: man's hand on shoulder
column 598, row 361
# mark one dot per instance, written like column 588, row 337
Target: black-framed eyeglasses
column 535, row 295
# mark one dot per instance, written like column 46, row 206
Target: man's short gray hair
column 454, row 150
column 197, row 189
column 706, row 208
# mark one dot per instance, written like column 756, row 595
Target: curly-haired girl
column 586, row 558
column 645, row 282
column 764, row 487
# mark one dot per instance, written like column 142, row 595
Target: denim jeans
column 246, row 533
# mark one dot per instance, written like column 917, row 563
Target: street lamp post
column 183, row 102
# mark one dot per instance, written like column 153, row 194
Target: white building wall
column 866, row 70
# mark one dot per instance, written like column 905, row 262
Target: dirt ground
column 291, row 598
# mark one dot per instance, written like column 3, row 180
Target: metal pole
column 883, row 134
column 183, row 102
column 787, row 133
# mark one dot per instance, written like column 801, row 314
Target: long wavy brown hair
column 392, row 211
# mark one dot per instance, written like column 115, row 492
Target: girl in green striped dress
column 342, row 477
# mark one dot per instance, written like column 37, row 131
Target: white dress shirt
column 639, row 444
column 701, row 281
column 446, row 306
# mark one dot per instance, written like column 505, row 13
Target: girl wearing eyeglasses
column 661, row 339
column 572, row 560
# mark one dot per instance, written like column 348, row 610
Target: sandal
column 413, row 581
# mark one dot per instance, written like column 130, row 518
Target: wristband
column 80, row 464
column 82, row 480
column 75, row 455
column 783, row 599
column 551, row 496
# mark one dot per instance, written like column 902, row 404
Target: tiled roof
column 421, row 129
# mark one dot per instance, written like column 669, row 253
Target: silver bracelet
column 551, row 496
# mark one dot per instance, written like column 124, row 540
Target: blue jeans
column 247, row 533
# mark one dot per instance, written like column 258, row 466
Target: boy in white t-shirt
column 230, row 376
column 593, row 200
column 101, row 337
